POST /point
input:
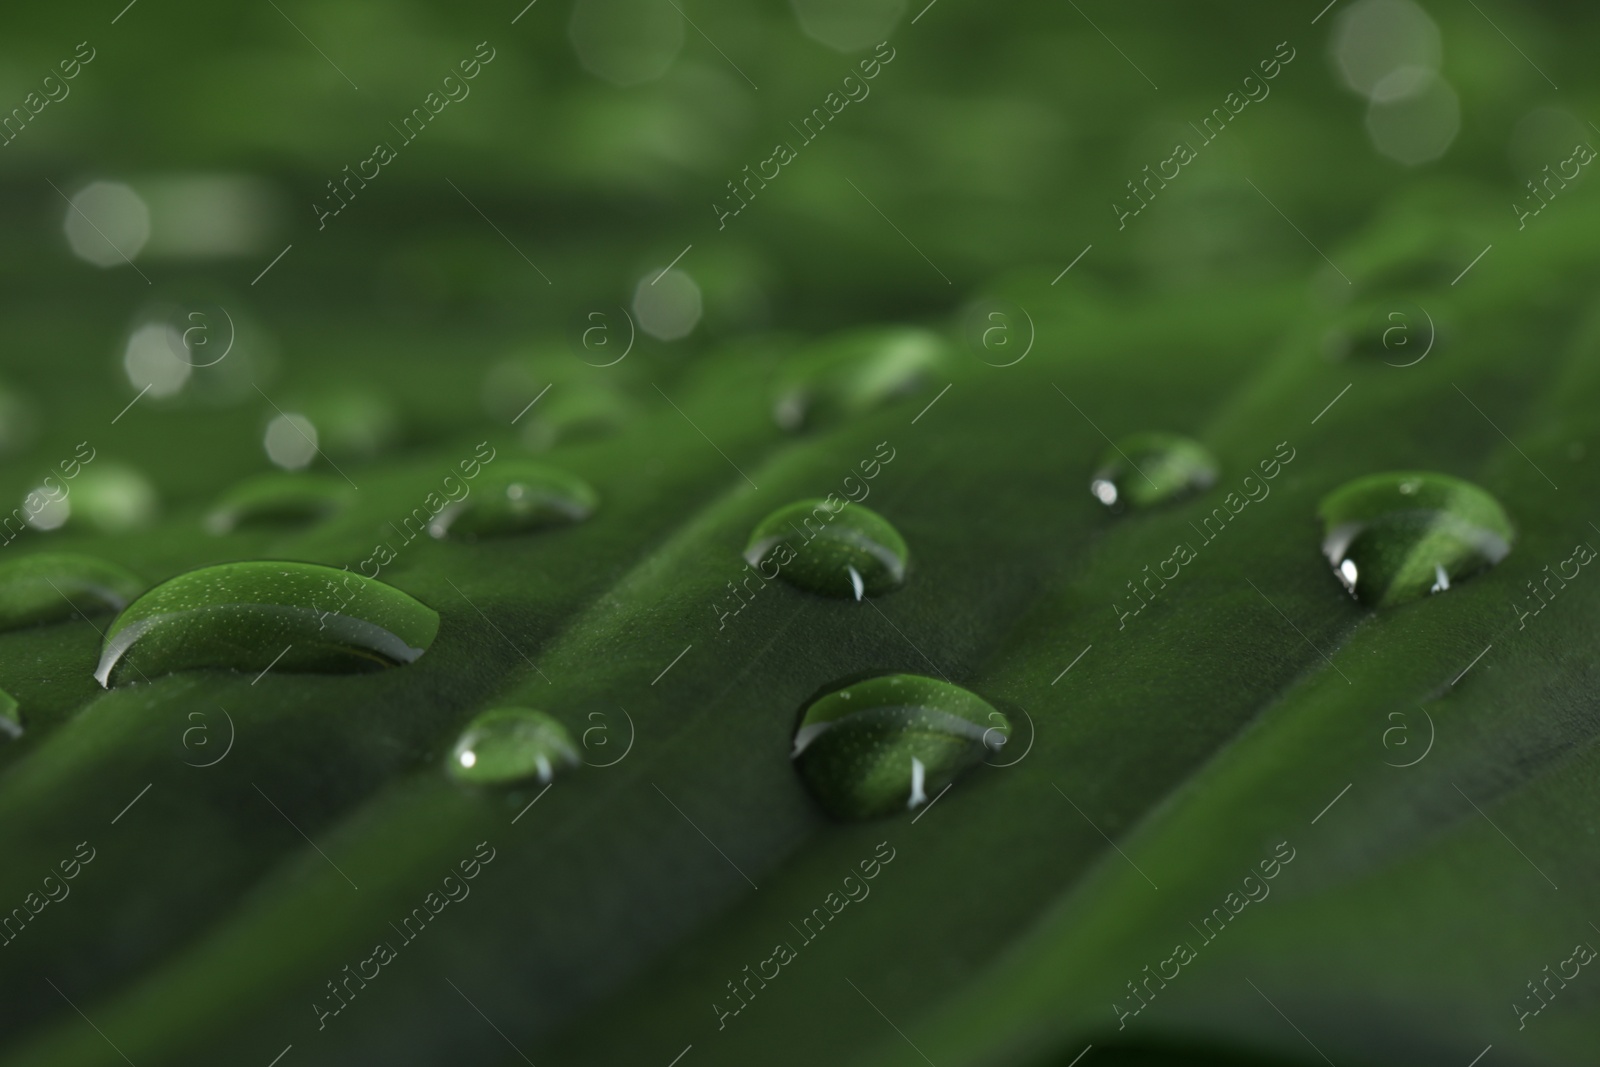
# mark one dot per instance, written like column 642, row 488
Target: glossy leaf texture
column 1192, row 699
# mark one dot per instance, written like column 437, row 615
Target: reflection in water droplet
column 505, row 745
column 265, row 614
column 1145, row 469
column 856, row 372
column 515, row 497
column 55, row 586
column 892, row 743
column 1398, row 537
column 277, row 500
column 10, row 720
column 853, row 552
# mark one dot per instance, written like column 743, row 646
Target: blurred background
column 185, row 171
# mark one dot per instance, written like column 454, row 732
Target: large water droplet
column 276, row 499
column 55, row 586
column 516, row 497
column 1400, row 536
column 892, row 743
column 1144, row 469
column 266, row 615
column 856, row 372
column 505, row 745
column 848, row 551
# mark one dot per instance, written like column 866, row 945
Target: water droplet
column 574, row 414
column 516, row 497
column 10, row 720
column 1145, row 469
column 55, row 586
column 1400, row 536
column 892, row 743
column 277, row 500
column 505, row 745
column 850, row 553
column 855, row 373
column 266, row 615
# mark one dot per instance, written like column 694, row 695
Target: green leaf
column 1179, row 732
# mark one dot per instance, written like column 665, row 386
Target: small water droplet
column 55, row 586
column 1397, row 537
column 266, row 614
column 276, row 499
column 516, row 496
column 856, row 372
column 505, row 745
column 848, row 552
column 892, row 743
column 1145, row 469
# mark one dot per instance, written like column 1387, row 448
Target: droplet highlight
column 266, row 615
column 1400, row 536
column 847, row 551
column 56, row 586
column 514, row 498
column 892, row 744
column 1146, row 469
column 506, row 745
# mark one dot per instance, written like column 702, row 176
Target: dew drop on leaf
column 1399, row 536
column 505, row 745
column 514, row 497
column 55, row 586
column 266, row 614
column 277, row 499
column 850, row 552
column 892, row 744
column 855, row 373
column 1145, row 469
